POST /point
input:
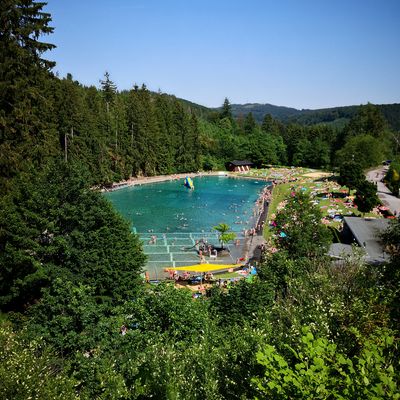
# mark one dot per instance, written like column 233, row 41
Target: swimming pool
column 178, row 216
column 170, row 207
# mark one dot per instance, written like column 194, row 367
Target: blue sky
column 303, row 54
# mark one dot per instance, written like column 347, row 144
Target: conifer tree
column 368, row 120
column 269, row 125
column 52, row 226
column 226, row 111
column 26, row 134
column 109, row 90
column 249, row 124
column 183, row 145
column 68, row 101
column 165, row 156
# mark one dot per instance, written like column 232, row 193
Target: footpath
column 384, row 194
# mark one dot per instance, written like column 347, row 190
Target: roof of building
column 240, row 162
column 366, row 232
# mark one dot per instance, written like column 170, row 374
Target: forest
column 71, row 269
column 336, row 116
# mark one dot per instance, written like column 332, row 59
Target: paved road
column 383, row 192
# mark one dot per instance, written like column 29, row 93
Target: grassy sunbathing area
column 333, row 199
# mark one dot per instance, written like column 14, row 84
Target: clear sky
column 297, row 53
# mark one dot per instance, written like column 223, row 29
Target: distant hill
column 259, row 110
column 197, row 109
column 392, row 114
column 336, row 116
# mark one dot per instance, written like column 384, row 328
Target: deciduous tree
column 366, row 197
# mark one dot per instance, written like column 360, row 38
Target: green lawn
column 279, row 193
column 317, row 187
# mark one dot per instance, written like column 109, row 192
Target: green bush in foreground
column 318, row 370
column 28, row 370
column 52, row 225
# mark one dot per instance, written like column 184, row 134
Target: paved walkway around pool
column 254, row 247
column 384, row 193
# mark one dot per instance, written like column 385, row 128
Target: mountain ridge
column 336, row 116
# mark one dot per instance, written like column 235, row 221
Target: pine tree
column 165, row 156
column 183, row 145
column 270, row 125
column 226, row 111
column 109, row 90
column 368, row 120
column 68, row 101
column 52, row 225
column 249, row 125
column 26, row 134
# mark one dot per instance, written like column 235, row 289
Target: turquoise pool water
column 178, row 217
column 169, row 207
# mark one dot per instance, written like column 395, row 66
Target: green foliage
column 169, row 312
column 330, row 299
column 391, row 238
column 368, row 121
column 29, row 370
column 392, row 177
column 249, row 124
column 68, row 317
column 366, row 198
column 242, row 302
column 366, row 150
column 318, row 370
column 300, row 232
column 351, row 174
column 224, row 235
column 27, row 132
column 226, row 110
column 264, row 148
column 109, row 90
column 277, row 269
column 53, row 225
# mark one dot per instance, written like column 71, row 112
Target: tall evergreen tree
column 165, row 157
column 69, row 103
column 26, row 135
column 226, row 111
column 270, row 125
column 52, row 225
column 249, row 125
column 368, row 120
column 183, row 153
column 109, row 90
